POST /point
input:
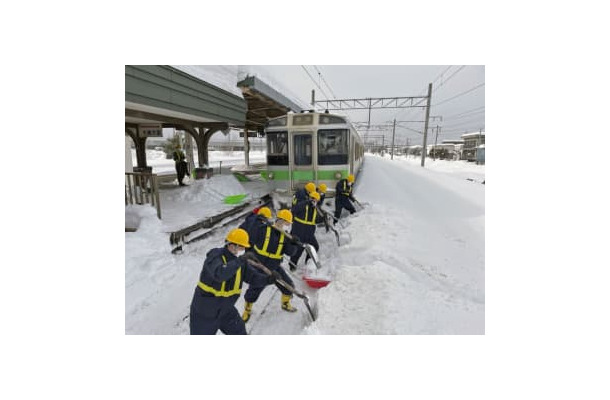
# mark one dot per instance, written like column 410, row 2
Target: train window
column 277, row 148
column 332, row 146
column 277, row 122
column 299, row 119
column 330, row 119
column 302, row 149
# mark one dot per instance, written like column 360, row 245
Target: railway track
column 209, row 226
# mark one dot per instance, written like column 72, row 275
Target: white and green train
column 310, row 147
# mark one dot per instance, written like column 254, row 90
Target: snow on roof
column 259, row 72
column 221, row 76
column 473, row 134
column 226, row 77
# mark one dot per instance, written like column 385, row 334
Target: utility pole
column 393, row 132
column 423, row 153
column 313, row 97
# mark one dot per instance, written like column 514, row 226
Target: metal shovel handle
column 289, row 287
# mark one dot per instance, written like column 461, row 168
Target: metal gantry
column 371, row 103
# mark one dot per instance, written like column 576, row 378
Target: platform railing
column 142, row 188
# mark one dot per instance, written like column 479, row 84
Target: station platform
column 189, row 206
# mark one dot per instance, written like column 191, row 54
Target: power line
column 458, row 95
column 324, row 80
column 460, row 120
column 441, row 75
column 452, row 75
column 314, row 81
column 467, row 112
column 462, row 123
column 433, row 88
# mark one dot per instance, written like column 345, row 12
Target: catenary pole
column 423, row 153
column 393, row 133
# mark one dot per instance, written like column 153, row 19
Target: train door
column 302, row 159
column 351, row 152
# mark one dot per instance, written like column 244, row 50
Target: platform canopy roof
column 264, row 102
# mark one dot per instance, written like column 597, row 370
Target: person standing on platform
column 181, row 165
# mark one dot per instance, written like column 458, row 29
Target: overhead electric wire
column 314, row 81
column 458, row 95
column 440, row 76
column 461, row 123
column 324, row 80
column 448, row 79
column 433, row 88
column 466, row 112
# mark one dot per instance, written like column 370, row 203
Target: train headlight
column 337, row 175
column 270, row 175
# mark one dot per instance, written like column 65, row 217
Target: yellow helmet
column 315, row 195
column 239, row 237
column 265, row 211
column 310, row 187
column 350, row 178
column 286, row 215
column 323, row 187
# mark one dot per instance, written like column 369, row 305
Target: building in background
column 471, row 142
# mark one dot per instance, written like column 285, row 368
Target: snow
column 221, row 76
column 415, row 263
column 160, row 164
column 473, row 134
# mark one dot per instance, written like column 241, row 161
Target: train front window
column 277, row 148
column 302, row 149
column 332, row 146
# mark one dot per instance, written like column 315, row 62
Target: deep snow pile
column 415, row 263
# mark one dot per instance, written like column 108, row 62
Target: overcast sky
column 466, row 112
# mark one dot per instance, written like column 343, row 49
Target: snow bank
column 214, row 189
column 415, row 264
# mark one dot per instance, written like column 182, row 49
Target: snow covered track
column 415, row 264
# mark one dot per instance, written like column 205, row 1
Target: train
column 310, row 147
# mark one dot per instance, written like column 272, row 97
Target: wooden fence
column 142, row 188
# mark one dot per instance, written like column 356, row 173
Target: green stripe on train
column 325, row 175
column 302, row 175
column 330, row 175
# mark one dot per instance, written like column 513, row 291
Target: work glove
column 249, row 256
column 274, row 277
column 297, row 240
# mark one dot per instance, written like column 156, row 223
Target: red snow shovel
column 311, row 281
column 315, row 283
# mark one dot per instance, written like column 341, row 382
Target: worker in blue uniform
column 269, row 245
column 344, row 196
column 306, row 217
column 303, row 194
column 259, row 216
column 219, row 287
column 322, row 192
